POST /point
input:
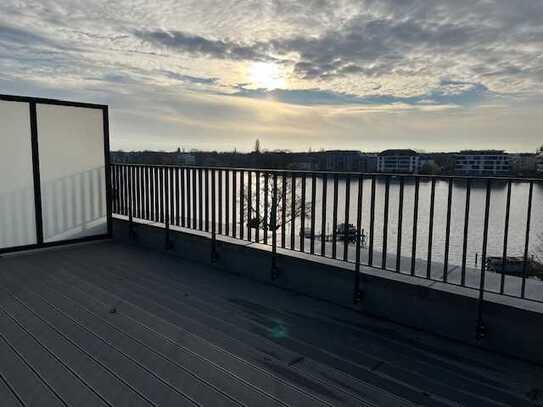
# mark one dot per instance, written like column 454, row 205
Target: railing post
column 274, row 269
column 480, row 331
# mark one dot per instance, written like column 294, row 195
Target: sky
column 434, row 75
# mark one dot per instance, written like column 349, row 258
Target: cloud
column 339, row 58
column 197, row 45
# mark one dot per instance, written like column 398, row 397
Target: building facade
column 540, row 163
column 401, row 161
column 494, row 163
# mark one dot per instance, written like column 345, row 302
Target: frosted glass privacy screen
column 72, row 172
column 17, row 210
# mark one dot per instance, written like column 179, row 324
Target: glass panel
column 17, row 216
column 71, row 146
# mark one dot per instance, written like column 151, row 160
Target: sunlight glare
column 266, row 75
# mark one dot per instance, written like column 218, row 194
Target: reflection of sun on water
column 266, row 75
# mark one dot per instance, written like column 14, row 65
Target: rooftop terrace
column 257, row 287
column 111, row 324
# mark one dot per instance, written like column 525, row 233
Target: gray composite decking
column 108, row 324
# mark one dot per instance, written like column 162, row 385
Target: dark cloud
column 198, row 80
column 195, row 44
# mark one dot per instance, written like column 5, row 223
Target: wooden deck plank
column 150, row 349
column 66, row 384
column 255, row 353
column 31, row 388
column 444, row 383
column 8, row 396
column 171, row 332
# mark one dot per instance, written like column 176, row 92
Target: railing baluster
column 151, row 198
column 227, row 203
column 480, row 330
column 143, row 192
column 137, row 177
column 219, row 173
column 172, row 195
column 137, row 192
column 266, row 206
column 323, row 214
column 189, row 198
column 213, row 218
column 313, row 197
column 241, row 205
column 194, row 198
column 130, row 194
column 415, row 226
column 466, row 231
column 400, row 226
column 123, row 177
column 162, row 186
column 372, row 222
column 334, row 217
column 283, row 210
column 505, row 236
column 258, row 214
column 249, row 204
column 167, row 203
column 357, row 294
column 156, row 190
column 206, row 198
column 177, row 198
column 293, row 212
column 447, row 232
column 274, row 227
column 234, row 202
column 200, row 199
column 182, row 197
column 302, row 216
column 431, row 229
column 385, row 223
column 114, row 195
column 346, row 236
column 527, row 240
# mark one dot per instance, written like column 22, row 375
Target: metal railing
column 454, row 230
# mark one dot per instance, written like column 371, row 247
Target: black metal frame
column 34, row 134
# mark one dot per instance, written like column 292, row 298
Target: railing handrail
column 341, row 173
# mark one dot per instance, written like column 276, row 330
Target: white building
column 401, row 161
column 483, row 163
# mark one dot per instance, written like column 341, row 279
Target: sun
column 266, row 75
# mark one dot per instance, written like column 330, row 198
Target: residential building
column 483, row 163
column 402, row 161
column 540, row 163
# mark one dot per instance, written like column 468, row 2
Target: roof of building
column 395, row 152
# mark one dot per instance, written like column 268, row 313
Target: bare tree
column 265, row 208
column 257, row 146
